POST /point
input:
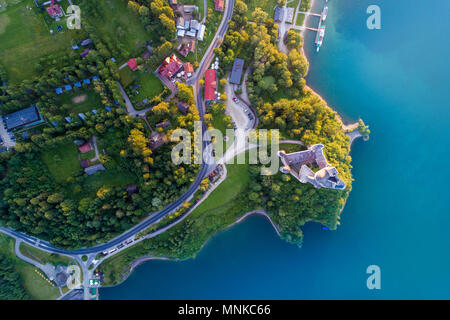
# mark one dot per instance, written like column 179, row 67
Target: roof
column 170, row 66
column 132, row 64
column 85, row 147
column 84, row 163
column 184, row 108
column 68, row 87
column 201, row 32
column 164, row 124
column 54, row 10
column 85, row 53
column 180, row 22
column 77, row 84
column 236, row 72
column 132, row 189
column 279, row 14
column 87, row 81
column 210, row 84
column 157, row 140
column 219, row 5
column 86, row 42
column 22, row 117
column 188, row 67
column 59, row 90
column 94, row 169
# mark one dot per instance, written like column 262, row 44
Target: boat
column 324, row 13
column 320, row 37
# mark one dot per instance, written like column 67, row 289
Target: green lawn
column 267, row 5
column 91, row 101
column 36, row 286
column 109, row 178
column 43, row 256
column 116, row 15
column 25, row 38
column 127, row 76
column 150, row 86
column 300, row 19
column 62, row 161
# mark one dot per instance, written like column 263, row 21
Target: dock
column 316, row 30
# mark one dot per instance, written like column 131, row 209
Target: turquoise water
column 397, row 216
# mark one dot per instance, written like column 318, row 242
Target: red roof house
column 210, row 84
column 171, row 66
column 219, row 5
column 132, row 64
column 54, row 10
column 85, row 147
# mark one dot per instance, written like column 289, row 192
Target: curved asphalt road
column 205, row 169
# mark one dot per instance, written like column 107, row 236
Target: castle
column 296, row 164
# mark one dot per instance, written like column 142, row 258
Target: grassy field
column 300, row 19
column 62, row 161
column 150, row 86
column 36, row 286
column 91, row 101
column 135, row 34
column 24, row 38
column 126, row 76
column 109, row 178
column 43, row 256
column 267, row 5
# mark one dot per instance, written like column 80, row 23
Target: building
column 194, row 25
column 201, row 33
column 94, row 169
column 170, row 67
column 219, row 5
column 85, row 147
column 187, row 47
column 173, row 3
column 163, row 125
column 84, row 163
column 85, row 53
column 191, row 33
column 183, row 108
column 296, row 164
column 157, row 140
column 180, row 23
column 132, row 64
column 131, row 189
column 236, row 72
column 54, row 10
column 210, row 84
column 86, row 42
column 190, row 8
column 188, row 68
column 181, row 33
column 23, row 118
column 279, row 14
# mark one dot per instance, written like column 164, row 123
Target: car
column 235, row 99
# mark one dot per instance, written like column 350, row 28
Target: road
column 153, row 217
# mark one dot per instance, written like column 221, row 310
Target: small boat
column 324, row 13
column 320, row 37
column 325, row 228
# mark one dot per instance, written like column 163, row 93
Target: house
column 219, row 5
column 68, row 87
column 94, row 169
column 170, row 67
column 95, row 78
column 68, row 120
column 86, row 42
column 131, row 189
column 180, row 23
column 190, row 8
column 210, row 84
column 85, row 53
column 163, row 125
column 84, row 163
column 85, row 147
column 59, row 90
column 132, row 64
column 188, row 68
column 87, row 81
column 194, row 25
column 54, row 10
column 82, row 116
column 201, row 32
column 185, row 48
column 279, row 14
column 157, row 140
column 236, row 72
column 77, row 84
column 191, row 33
column 181, row 33
column 173, row 3
column 23, row 118
column 183, row 108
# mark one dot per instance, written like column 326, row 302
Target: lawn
column 267, row 5
column 300, row 19
column 89, row 100
column 36, row 286
column 116, row 16
column 25, row 38
column 150, row 86
column 62, row 161
column 44, row 256
column 126, row 76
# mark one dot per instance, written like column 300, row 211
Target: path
column 94, row 142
